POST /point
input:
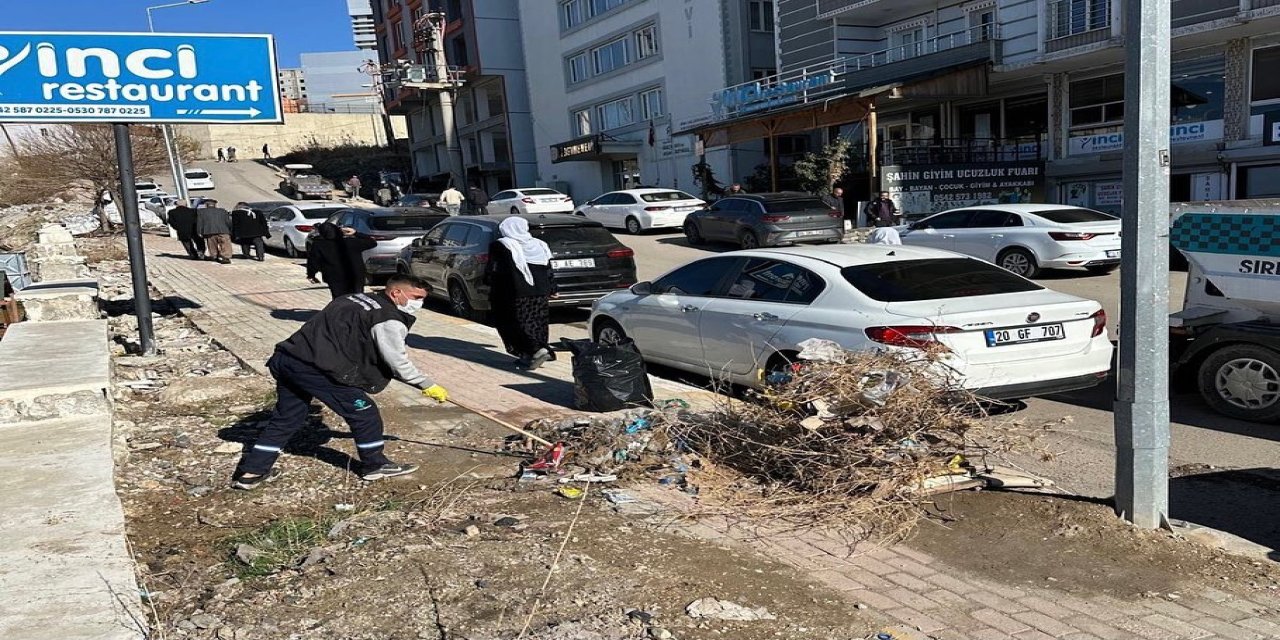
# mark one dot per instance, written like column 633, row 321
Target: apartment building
column 293, row 84
column 618, row 81
column 362, row 24
column 1008, row 100
column 482, row 46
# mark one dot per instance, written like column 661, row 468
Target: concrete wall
column 299, row 130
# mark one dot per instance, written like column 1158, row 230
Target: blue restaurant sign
column 138, row 77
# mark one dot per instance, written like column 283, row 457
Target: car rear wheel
column 460, row 302
column 1019, row 262
column 1102, row 270
column 749, row 240
column 691, row 232
column 1242, row 381
column 607, row 331
column 633, row 226
column 291, row 250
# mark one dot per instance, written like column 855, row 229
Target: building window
column 582, row 122
column 1097, row 102
column 646, row 42
column 1266, row 82
column 572, row 13
column 651, row 104
column 762, row 15
column 418, row 12
column 397, row 35
column 501, row 151
column 610, row 56
column 982, row 24
column 578, row 68
column 601, row 6
column 496, row 104
column 453, row 10
column 761, row 73
column 1198, row 89
column 458, row 52
column 618, row 113
column 1071, row 17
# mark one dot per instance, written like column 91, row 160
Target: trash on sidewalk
column 618, row 496
column 608, row 377
column 590, row 477
column 572, row 493
column 716, row 609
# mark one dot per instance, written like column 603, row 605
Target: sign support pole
column 1142, row 390
column 133, row 235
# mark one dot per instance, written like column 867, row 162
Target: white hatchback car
column 1024, row 238
column 638, row 210
column 198, row 179
column 539, row 200
column 290, row 224
column 737, row 313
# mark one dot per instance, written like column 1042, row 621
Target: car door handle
column 764, row 317
column 688, row 308
column 997, row 235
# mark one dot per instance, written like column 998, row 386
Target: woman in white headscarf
column 520, row 286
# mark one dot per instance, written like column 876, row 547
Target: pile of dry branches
column 858, row 441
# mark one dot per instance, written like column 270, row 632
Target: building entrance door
column 626, row 174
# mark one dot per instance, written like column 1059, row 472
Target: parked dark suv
column 765, row 220
column 587, row 261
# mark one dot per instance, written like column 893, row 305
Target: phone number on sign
column 71, row 110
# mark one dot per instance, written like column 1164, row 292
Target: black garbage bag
column 608, row 377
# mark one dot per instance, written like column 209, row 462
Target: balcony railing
column 1073, row 23
column 1189, row 12
column 982, row 34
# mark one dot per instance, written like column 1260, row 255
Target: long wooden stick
column 501, row 422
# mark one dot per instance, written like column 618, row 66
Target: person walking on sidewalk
column 451, row 201
column 353, row 187
column 214, row 224
column 881, row 212
column 266, row 151
column 222, row 154
column 337, row 254
column 519, row 277
column 479, row 200
column 248, row 229
column 182, row 219
column 354, row 347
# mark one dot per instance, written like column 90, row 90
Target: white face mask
column 410, row 306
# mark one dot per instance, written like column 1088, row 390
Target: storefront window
column 1258, row 182
column 1026, row 117
column 1097, row 102
column 1266, row 82
column 1198, row 87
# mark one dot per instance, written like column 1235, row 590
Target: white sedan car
column 745, row 311
column 290, row 224
column 198, row 179
column 1024, row 238
column 539, row 200
column 638, row 210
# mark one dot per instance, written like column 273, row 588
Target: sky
column 299, row 25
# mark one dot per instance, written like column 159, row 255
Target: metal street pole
column 1142, row 390
column 133, row 235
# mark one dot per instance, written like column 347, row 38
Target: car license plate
column 580, row 263
column 815, row 232
column 1023, row 335
column 1113, row 253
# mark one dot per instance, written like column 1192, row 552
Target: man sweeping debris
column 352, row 348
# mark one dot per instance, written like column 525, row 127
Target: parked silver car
column 765, row 220
column 394, row 229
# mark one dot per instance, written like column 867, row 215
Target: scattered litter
column 643, row 617
column 590, row 477
column 507, row 522
column 572, row 493
column 618, row 496
column 471, row 531
column 344, row 506
column 716, row 609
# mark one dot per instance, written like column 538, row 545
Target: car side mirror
column 917, row 226
column 642, row 288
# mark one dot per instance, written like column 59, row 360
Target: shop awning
column 594, row 147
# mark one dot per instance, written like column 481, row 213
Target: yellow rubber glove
column 437, row 393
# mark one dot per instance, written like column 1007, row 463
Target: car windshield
column 666, row 196
column 403, row 223
column 793, row 206
column 1068, row 216
column 933, row 279
column 573, row 236
column 540, row 192
column 320, row 214
column 197, row 175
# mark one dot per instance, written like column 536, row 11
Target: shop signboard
column 678, row 146
column 1271, row 128
column 926, row 189
column 1108, row 194
column 581, row 148
column 1181, row 133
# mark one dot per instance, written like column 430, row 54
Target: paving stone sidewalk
column 250, row 306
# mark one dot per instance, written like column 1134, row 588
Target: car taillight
column 623, row 252
column 305, row 228
column 656, row 208
column 835, row 214
column 1099, row 323
column 482, row 258
column 775, row 218
column 528, row 200
column 566, row 199
column 1071, row 235
column 911, row 336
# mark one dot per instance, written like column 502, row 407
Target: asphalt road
column 1083, row 452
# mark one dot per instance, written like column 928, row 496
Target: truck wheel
column 1242, row 381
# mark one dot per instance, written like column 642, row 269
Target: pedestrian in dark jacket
column 355, row 346
column 520, row 287
column 182, row 219
column 479, row 200
column 337, row 255
column 881, row 212
column 835, row 200
column 214, row 223
column 249, row 229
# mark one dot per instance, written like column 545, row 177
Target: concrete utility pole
column 447, row 89
column 1142, row 390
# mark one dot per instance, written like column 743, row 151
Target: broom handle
column 501, row 423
